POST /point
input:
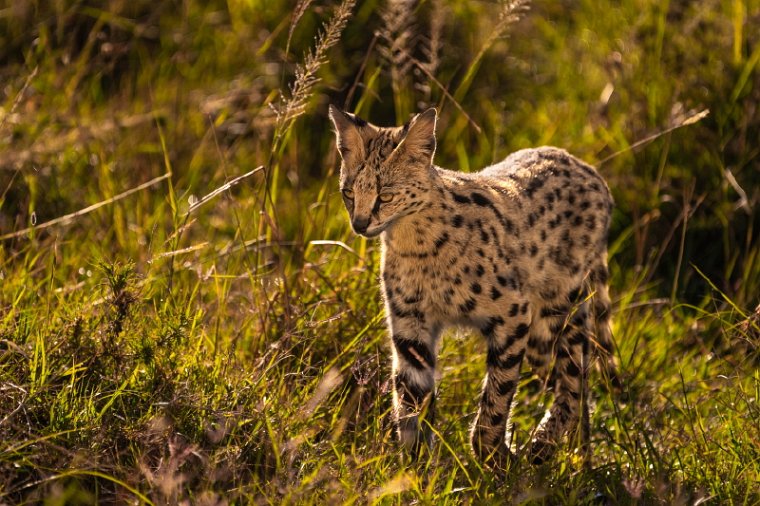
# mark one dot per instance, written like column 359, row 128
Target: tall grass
column 209, row 331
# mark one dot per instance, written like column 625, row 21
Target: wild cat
column 517, row 251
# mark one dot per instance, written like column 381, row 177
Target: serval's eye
column 349, row 194
column 386, row 197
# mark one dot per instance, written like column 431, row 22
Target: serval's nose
column 360, row 224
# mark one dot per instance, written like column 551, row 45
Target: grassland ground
column 185, row 316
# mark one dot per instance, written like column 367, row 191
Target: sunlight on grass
column 185, row 316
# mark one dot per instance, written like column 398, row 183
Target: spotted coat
column 516, row 251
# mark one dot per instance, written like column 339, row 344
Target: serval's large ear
column 419, row 141
column 347, row 135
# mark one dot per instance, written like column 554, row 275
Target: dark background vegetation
column 167, row 347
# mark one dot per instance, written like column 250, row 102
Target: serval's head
column 385, row 173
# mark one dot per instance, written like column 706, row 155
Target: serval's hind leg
column 507, row 338
column 602, row 312
column 569, row 412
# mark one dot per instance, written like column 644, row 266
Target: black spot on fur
column 572, row 369
column 491, row 325
column 494, row 360
column 497, row 418
column 413, row 299
column 480, row 200
column 457, row 221
column 521, row 331
column 476, row 288
column 406, row 313
column 479, row 270
column 502, row 280
column 462, row 199
column 442, row 240
column 553, row 312
column 495, row 294
column 416, row 353
column 577, row 338
column 534, row 185
column 506, row 387
column 468, row 306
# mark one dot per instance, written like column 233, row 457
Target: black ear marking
column 348, row 134
column 418, row 135
column 336, row 114
column 357, row 120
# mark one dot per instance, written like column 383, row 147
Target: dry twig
column 66, row 219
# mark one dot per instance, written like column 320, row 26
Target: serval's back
column 517, row 251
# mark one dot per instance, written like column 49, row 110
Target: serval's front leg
column 414, row 357
column 507, row 339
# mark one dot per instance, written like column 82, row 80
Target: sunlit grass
column 155, row 350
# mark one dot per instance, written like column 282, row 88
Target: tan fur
column 516, row 251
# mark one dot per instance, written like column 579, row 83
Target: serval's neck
column 419, row 230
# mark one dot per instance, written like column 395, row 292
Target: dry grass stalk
column 692, row 118
column 511, row 12
column 298, row 12
column 226, row 186
column 306, row 73
column 448, row 95
column 398, row 37
column 66, row 219
column 19, row 97
column 432, row 49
